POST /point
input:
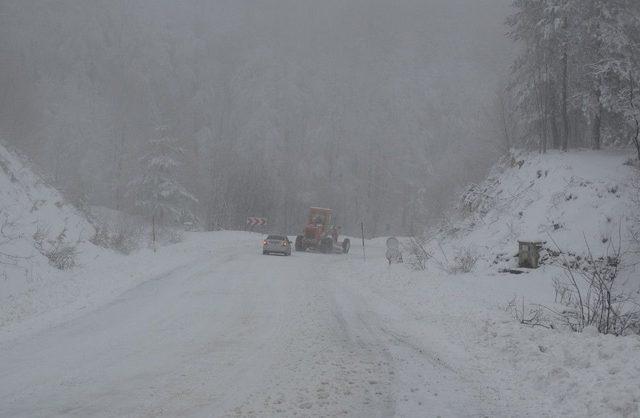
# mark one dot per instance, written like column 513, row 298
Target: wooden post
column 364, row 254
column 153, row 231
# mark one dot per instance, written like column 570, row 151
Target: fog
column 380, row 110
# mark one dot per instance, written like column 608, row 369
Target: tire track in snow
column 323, row 370
column 426, row 381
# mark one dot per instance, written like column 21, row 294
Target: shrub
column 589, row 295
column 63, row 256
column 418, row 255
column 39, row 237
column 8, row 235
column 531, row 315
column 127, row 237
column 124, row 236
column 102, row 237
column 635, row 217
column 464, row 261
column 170, row 235
column 476, row 200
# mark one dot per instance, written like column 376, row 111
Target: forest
column 383, row 112
column 576, row 79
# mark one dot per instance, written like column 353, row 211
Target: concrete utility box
column 529, row 254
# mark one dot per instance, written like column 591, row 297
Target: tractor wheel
column 346, row 245
column 300, row 243
column 326, row 245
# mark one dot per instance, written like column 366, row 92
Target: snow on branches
column 579, row 67
column 158, row 191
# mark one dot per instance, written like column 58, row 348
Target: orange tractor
column 320, row 234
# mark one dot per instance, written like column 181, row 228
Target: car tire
column 264, row 253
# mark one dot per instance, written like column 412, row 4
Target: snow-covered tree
column 158, row 191
column 617, row 67
column 541, row 26
column 578, row 66
column 608, row 36
column 275, row 112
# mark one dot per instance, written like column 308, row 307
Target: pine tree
column 158, row 191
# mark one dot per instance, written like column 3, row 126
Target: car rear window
column 277, row 237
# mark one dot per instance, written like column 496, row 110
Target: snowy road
column 239, row 334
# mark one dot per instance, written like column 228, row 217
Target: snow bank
column 35, row 294
column 34, row 218
column 28, row 203
column 569, row 199
column 461, row 321
column 579, row 203
column 105, row 275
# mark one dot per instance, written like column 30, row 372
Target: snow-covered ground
column 460, row 320
column 216, row 329
column 34, row 219
column 575, row 201
column 211, row 327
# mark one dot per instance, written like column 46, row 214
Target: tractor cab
column 318, row 223
column 320, row 234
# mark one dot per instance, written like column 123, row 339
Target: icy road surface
column 237, row 334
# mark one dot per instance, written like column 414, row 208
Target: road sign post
column 364, row 254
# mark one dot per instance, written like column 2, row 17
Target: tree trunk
column 636, row 138
column 543, row 149
column 555, row 132
column 597, row 122
column 596, row 130
column 504, row 121
column 545, row 130
column 119, row 174
column 595, row 135
column 565, row 116
column 542, row 128
column 543, row 115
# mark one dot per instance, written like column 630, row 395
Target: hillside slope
column 578, row 203
column 36, row 221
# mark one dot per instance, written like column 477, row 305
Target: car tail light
column 264, row 242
